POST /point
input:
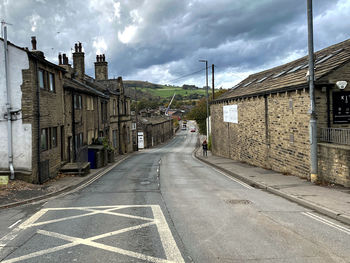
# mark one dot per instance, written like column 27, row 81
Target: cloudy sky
column 162, row 40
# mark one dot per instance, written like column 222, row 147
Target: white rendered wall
column 22, row 133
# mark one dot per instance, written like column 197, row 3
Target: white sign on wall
column 141, row 144
column 230, row 113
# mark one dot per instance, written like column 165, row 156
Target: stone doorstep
column 76, row 168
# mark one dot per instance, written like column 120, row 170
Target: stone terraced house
column 264, row 119
column 57, row 111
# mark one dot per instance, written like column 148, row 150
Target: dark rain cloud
column 160, row 40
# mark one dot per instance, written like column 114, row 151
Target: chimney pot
column 59, row 59
column 33, row 43
column 80, row 47
column 76, row 47
column 96, row 58
column 103, row 58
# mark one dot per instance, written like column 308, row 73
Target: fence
column 335, row 135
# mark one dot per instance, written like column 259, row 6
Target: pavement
column 331, row 200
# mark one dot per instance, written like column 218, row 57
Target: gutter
column 8, row 107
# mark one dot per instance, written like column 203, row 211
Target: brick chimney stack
column 33, row 43
column 101, row 68
column 38, row 53
column 79, row 61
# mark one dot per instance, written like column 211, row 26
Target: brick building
column 57, row 111
column 264, row 119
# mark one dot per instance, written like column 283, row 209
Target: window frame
column 41, row 79
column 45, row 130
column 54, row 142
column 51, row 82
column 77, row 102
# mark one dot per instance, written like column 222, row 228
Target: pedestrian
column 205, row 147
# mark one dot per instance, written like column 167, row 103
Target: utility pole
column 206, row 87
column 212, row 79
column 313, row 119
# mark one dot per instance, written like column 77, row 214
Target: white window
column 52, row 82
column 115, row 139
column 41, row 79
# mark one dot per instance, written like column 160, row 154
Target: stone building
column 56, row 111
column 264, row 120
column 36, row 87
column 154, row 130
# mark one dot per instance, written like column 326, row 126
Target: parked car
column 193, row 130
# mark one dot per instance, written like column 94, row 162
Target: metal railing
column 335, row 135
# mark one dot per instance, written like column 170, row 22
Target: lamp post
column 206, row 88
column 313, row 121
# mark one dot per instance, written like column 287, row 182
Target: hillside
column 148, row 89
column 141, row 84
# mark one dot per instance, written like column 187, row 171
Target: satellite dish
column 341, row 84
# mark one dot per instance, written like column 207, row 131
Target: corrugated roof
column 292, row 74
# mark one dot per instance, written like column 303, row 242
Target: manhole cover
column 238, row 202
column 145, row 182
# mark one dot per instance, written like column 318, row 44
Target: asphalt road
column 163, row 205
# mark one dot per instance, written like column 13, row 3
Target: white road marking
column 9, row 237
column 171, row 250
column 39, row 253
column 11, row 226
column 327, row 222
column 234, row 179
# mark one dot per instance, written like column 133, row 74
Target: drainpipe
column 118, row 113
column 73, row 127
column 8, row 107
column 38, row 123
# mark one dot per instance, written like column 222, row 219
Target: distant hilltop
column 141, row 84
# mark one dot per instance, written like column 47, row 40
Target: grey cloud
column 170, row 35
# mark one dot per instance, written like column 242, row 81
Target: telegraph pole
column 206, row 88
column 313, row 121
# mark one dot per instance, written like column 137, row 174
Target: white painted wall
column 22, row 133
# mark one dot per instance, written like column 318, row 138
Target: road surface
column 163, row 205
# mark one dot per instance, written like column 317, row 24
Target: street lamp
column 206, row 87
column 313, row 121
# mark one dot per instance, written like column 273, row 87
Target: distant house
column 264, row 119
column 154, row 129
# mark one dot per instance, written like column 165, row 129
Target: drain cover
column 145, row 182
column 238, row 202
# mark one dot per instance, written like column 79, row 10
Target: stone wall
column 333, row 164
column 272, row 132
column 288, row 120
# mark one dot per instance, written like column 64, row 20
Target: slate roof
column 79, row 86
column 292, row 75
